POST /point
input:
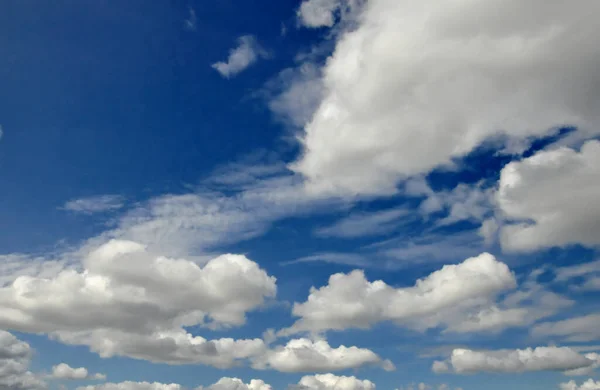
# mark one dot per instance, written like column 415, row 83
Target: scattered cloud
column 237, row 384
column 466, row 361
column 590, row 384
column 556, row 193
column 133, row 386
column 332, row 382
column 304, row 355
column 15, row 356
column 245, row 54
column 64, row 371
column 95, row 204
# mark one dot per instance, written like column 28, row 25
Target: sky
column 299, row 195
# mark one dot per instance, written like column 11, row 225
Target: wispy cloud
column 245, row 54
column 192, row 20
column 95, row 204
column 364, row 224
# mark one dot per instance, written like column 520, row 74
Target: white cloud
column 351, row 301
column 590, row 384
column 133, row 386
column 416, row 84
column 17, row 264
column 364, row 224
column 304, row 355
column 586, row 370
column 15, row 356
column 464, row 361
column 95, row 204
column 128, row 301
column 191, row 22
column 333, row 382
column 245, row 54
column 557, row 191
column 583, row 328
column 590, row 272
column 238, row 384
column 64, row 371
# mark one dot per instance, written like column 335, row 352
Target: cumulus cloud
column 95, row 204
column 415, row 84
column 351, row 301
column 15, row 356
column 245, row 54
column 332, row 382
column 237, row 384
column 590, row 384
column 322, row 13
column 556, row 192
column 464, row 361
column 584, row 328
column 586, row 370
column 64, row 371
column 128, row 385
column 304, row 355
column 128, row 301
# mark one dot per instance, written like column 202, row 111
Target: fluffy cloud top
column 510, row 361
column 590, row 384
column 304, row 355
column 133, row 386
column 558, row 192
column 15, row 356
column 128, row 301
column 416, row 84
column 64, row 371
column 245, row 54
column 333, row 382
column 238, row 384
column 351, row 301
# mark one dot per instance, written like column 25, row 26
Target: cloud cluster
column 351, row 301
column 414, row 85
column 15, row 356
column 128, row 301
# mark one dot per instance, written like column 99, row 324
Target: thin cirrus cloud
column 241, row 57
column 95, row 204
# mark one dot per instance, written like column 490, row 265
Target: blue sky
column 317, row 194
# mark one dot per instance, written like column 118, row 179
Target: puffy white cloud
column 95, row 204
column 304, row 355
column 245, row 54
column 351, row 301
column 64, row 371
column 15, row 356
column 322, row 13
column 238, row 384
column 557, row 192
column 590, row 384
column 584, row 328
column 129, row 301
column 464, row 361
column 128, row 385
column 333, row 382
column 416, row 84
